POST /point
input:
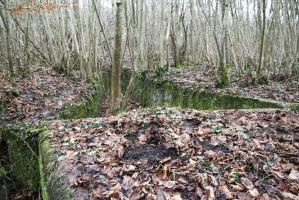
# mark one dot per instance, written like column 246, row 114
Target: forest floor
column 40, row 96
column 202, row 77
column 165, row 153
column 169, row 153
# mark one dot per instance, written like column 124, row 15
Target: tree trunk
column 223, row 77
column 8, row 48
column 116, row 68
column 261, row 55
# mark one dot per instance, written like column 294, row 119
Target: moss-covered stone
column 151, row 94
column 23, row 153
column 90, row 108
column 53, row 184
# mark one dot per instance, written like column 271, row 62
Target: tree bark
column 116, row 68
column 261, row 55
column 12, row 73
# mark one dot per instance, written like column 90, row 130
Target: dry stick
column 102, row 29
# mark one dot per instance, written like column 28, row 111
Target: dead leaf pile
column 174, row 154
column 40, row 95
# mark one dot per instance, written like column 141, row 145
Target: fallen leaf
column 265, row 196
column 69, row 155
column 120, row 151
column 168, row 184
column 225, row 191
column 289, row 196
column 160, row 195
column 129, row 168
column 198, row 192
column 127, row 183
column 185, row 138
column 165, row 172
column 85, row 178
column 176, row 197
column 142, row 138
column 216, row 140
column 136, row 196
column 237, row 188
column 254, row 192
column 294, row 175
column 211, row 192
column 97, row 193
column 221, row 138
column 182, row 180
column 247, row 183
column 294, row 187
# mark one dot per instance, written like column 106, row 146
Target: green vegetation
column 234, row 176
column 294, row 106
column 158, row 94
column 23, row 153
column 3, row 172
column 223, row 79
column 1, row 105
column 52, row 186
column 90, row 108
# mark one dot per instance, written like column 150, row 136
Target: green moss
column 151, row 94
column 294, row 106
column 90, row 108
column 23, row 153
column 53, row 185
column 223, row 77
column 1, row 106
column 3, row 172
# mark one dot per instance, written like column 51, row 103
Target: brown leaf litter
column 166, row 153
column 40, row 95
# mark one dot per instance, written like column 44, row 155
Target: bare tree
column 116, row 68
column 263, row 29
column 255, row 38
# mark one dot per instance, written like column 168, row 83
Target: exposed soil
column 202, row 77
column 152, row 153
column 181, row 154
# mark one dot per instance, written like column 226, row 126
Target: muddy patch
column 151, row 154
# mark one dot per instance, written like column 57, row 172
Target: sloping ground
column 203, row 77
column 40, row 96
column 174, row 154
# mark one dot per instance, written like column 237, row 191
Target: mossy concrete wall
column 23, row 154
column 53, row 184
column 90, row 108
